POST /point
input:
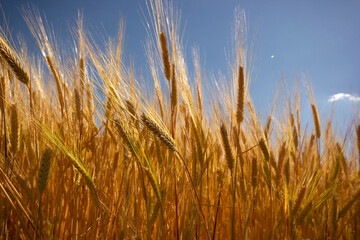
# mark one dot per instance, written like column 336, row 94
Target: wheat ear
column 174, row 90
column 43, row 177
column 77, row 101
column 265, row 150
column 165, row 56
column 316, row 121
column 298, row 201
column 123, row 134
column 304, row 213
column 8, row 55
column 81, row 74
column 159, row 132
column 155, row 213
column 240, row 100
column 280, row 165
column 44, row 169
column 294, row 131
column 226, row 145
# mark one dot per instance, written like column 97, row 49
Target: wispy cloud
column 343, row 96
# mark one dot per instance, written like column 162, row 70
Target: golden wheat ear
column 226, row 144
column 159, row 132
column 264, row 148
column 241, row 94
column 165, row 56
column 316, row 121
column 174, row 89
column 11, row 59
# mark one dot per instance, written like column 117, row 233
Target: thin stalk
column 217, row 212
column 195, row 193
column 176, row 204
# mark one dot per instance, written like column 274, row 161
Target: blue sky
column 317, row 39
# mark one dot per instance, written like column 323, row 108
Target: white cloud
column 345, row 96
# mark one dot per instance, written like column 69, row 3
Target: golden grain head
column 264, row 148
column 174, row 88
column 159, row 132
column 165, row 56
column 227, row 149
column 241, row 96
column 316, row 121
column 11, row 59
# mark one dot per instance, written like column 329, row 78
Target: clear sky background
column 319, row 39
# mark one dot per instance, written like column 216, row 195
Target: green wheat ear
column 44, row 169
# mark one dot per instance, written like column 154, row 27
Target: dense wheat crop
column 87, row 152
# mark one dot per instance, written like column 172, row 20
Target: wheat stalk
column 58, row 82
column 134, row 151
column 254, row 173
column 2, row 94
column 14, row 134
column 348, row 205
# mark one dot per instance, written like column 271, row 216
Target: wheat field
column 88, row 152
